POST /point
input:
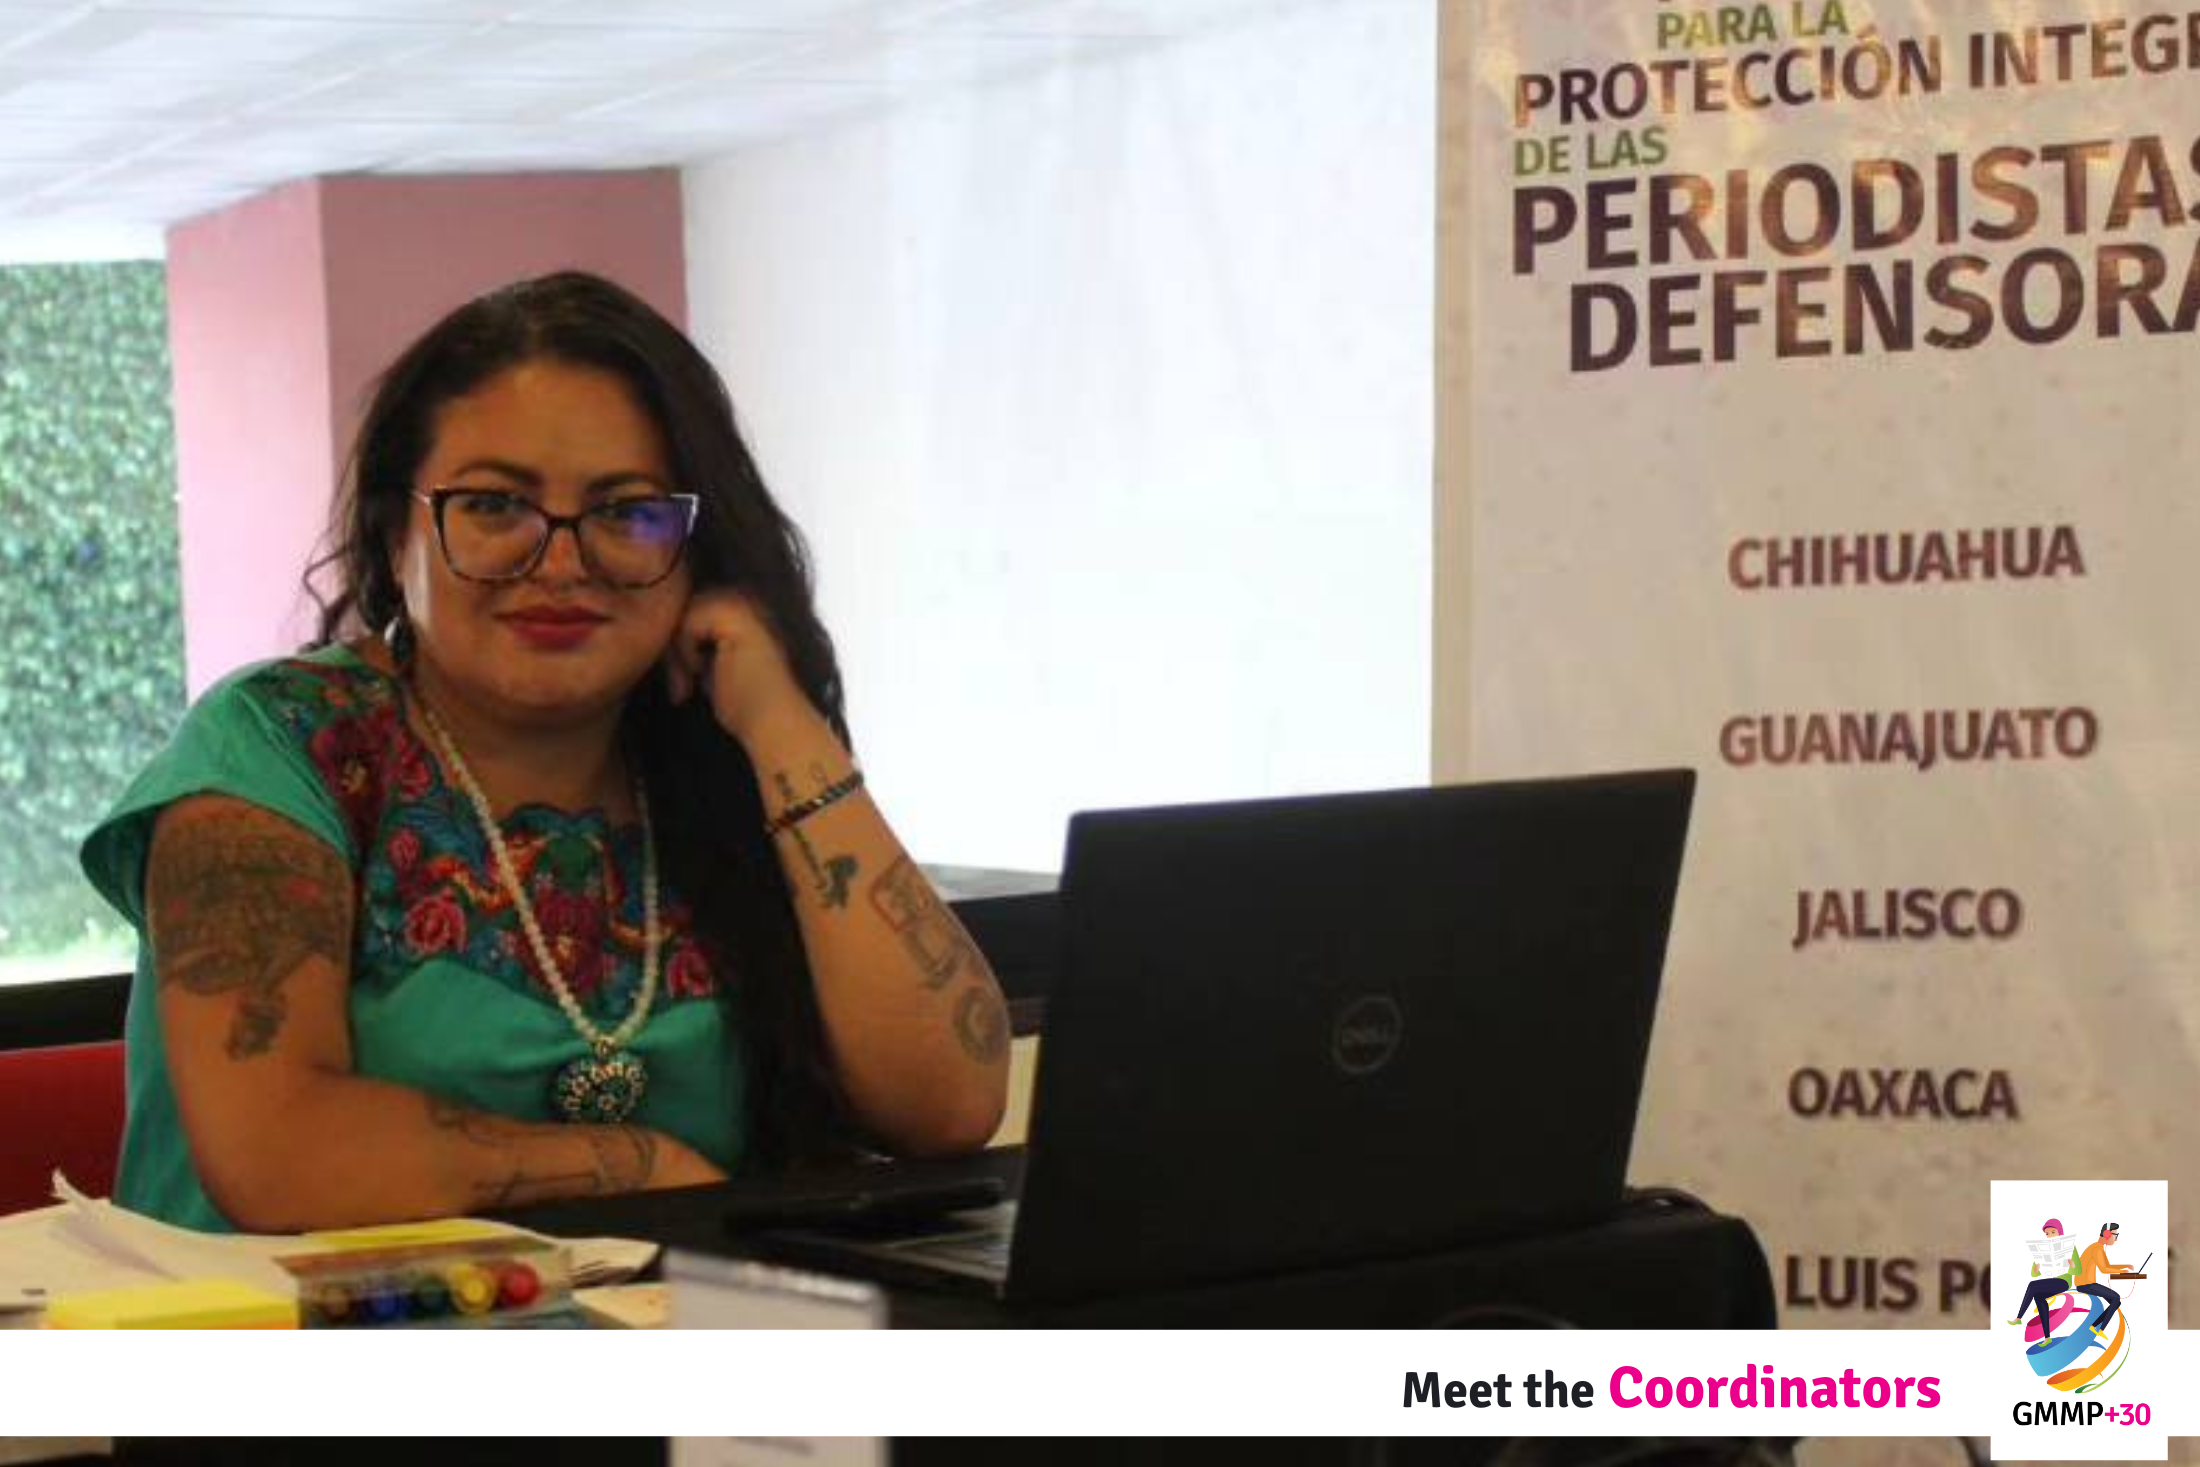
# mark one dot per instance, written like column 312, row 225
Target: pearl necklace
column 606, row 1085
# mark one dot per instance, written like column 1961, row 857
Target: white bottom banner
column 783, row 1384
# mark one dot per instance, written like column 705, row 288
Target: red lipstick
column 553, row 628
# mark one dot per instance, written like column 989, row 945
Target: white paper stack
column 86, row 1244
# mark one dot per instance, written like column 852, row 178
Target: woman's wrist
column 796, row 808
column 794, row 736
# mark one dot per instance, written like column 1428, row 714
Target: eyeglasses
column 494, row 535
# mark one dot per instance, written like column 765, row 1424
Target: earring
column 398, row 637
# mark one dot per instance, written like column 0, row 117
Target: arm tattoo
column 927, row 929
column 832, row 875
column 238, row 902
column 621, row 1158
column 477, row 1126
column 981, row 1023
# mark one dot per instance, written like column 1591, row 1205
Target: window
column 91, row 639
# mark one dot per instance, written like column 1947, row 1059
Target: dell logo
column 1367, row 1034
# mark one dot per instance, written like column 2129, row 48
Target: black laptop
column 1298, row 1032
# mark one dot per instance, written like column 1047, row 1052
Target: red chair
column 63, row 1108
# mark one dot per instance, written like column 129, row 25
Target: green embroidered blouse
column 445, row 996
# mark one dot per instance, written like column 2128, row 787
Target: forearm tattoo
column 621, row 1158
column 981, row 1023
column 942, row 951
column 239, row 901
column 928, row 931
column 832, row 875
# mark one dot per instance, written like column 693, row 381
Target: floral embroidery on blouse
column 429, row 887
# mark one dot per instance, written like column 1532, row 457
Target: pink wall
column 283, row 309
column 248, row 337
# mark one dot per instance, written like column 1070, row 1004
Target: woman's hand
column 725, row 647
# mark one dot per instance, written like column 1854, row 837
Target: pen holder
column 511, row 1282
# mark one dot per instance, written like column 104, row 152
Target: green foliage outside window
column 91, row 636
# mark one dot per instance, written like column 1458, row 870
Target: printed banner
column 1818, row 409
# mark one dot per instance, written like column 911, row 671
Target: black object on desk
column 885, row 1200
column 1296, row 1033
column 1657, row 1264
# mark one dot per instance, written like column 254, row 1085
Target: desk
column 1656, row 1266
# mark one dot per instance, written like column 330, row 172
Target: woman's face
column 560, row 643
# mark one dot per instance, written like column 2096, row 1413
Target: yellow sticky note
column 408, row 1235
column 192, row 1304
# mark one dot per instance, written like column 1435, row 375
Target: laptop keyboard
column 982, row 1244
column 988, row 1251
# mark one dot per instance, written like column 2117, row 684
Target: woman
column 556, row 877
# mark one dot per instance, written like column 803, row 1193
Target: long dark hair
column 710, row 820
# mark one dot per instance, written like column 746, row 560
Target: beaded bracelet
column 802, row 810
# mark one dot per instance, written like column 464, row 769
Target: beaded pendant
column 601, row 1089
column 605, row 1086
